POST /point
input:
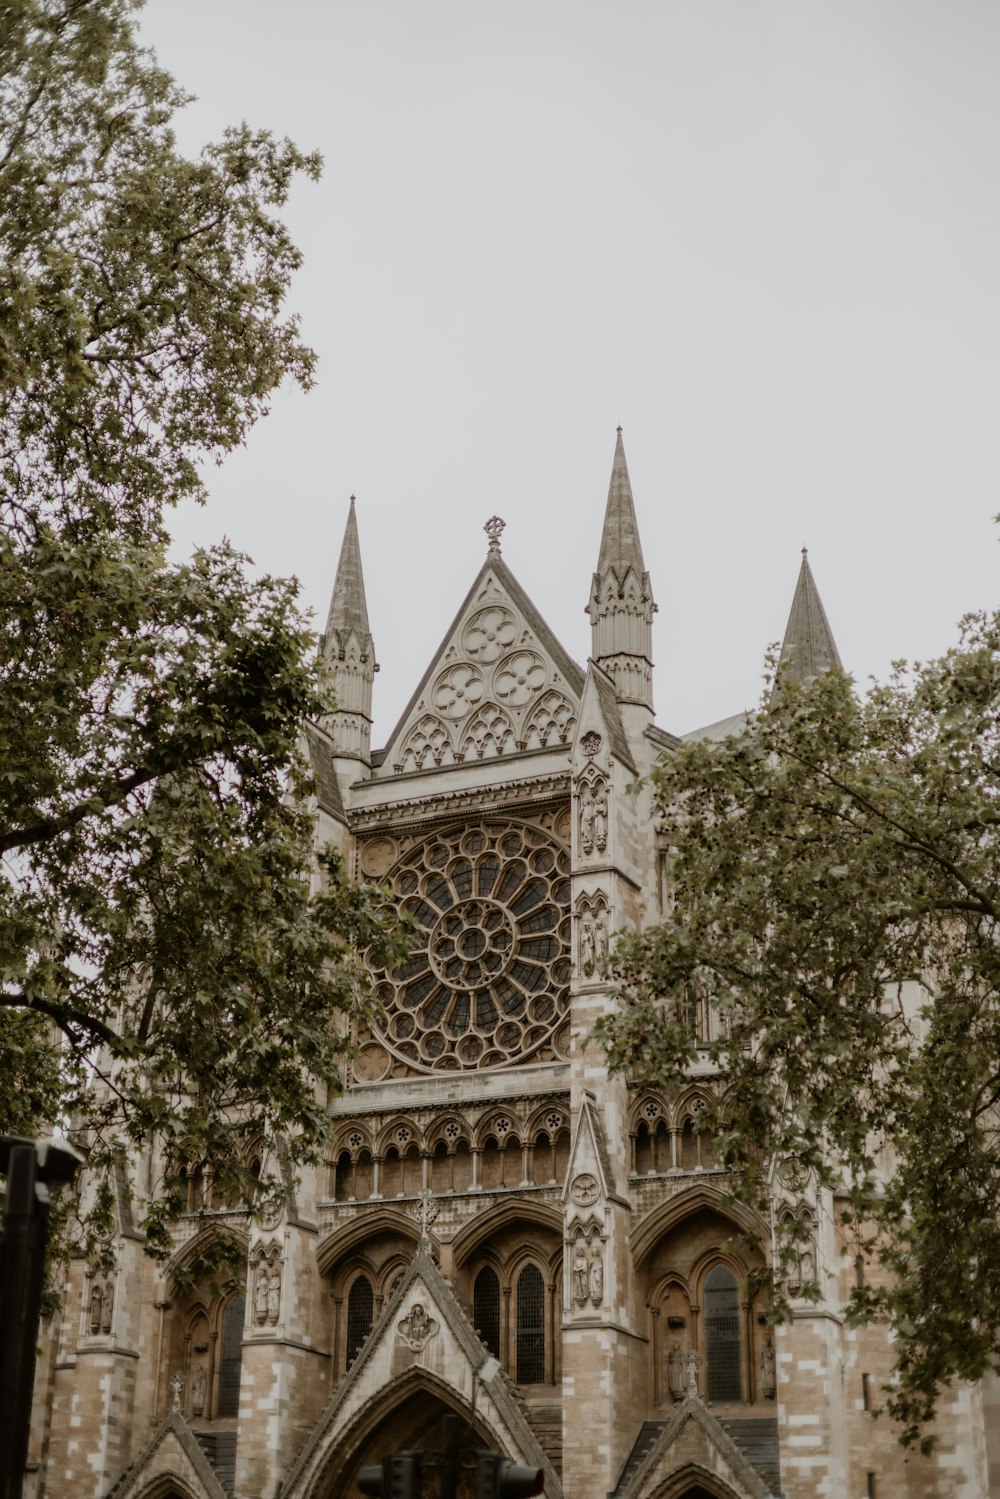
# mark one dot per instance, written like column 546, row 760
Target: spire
column 621, row 604
column 620, row 545
column 350, row 650
column 348, row 609
column 808, row 647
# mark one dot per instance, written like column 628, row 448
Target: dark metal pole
column 25, row 1221
column 29, row 1165
column 449, row 1458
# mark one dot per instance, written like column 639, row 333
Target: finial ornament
column 494, row 528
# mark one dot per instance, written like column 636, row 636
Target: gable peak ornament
column 494, row 529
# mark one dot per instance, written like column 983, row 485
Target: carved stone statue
column 597, row 1275
column 261, row 1294
column 600, row 822
column 199, row 1388
column 177, row 1390
column 95, row 1308
column 587, row 946
column 677, row 1371
column 586, row 823
column 767, row 1371
column 601, row 935
column 693, row 1365
column 274, row 1294
column 580, row 1282
column 107, row 1304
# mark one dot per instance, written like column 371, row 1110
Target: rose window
column 487, row 982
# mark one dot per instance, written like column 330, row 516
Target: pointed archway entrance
column 409, row 1420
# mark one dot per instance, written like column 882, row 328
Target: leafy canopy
column 836, row 871
column 167, row 967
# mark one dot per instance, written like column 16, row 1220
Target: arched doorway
column 410, row 1418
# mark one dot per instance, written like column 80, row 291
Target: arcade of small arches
column 670, row 1136
column 404, row 1160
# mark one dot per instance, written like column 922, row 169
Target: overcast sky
column 764, row 237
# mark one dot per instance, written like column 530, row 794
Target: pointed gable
column 172, row 1452
column 499, row 683
column 808, row 647
column 696, row 1446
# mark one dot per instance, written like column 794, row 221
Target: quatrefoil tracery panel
column 487, row 983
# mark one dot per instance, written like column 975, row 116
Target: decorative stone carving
column 592, row 800
column 600, row 935
column 596, row 1279
column 592, row 927
column 590, row 743
column 377, row 856
column 518, row 677
column 693, row 1365
column 417, row 1328
column 371, row 1064
column 428, row 743
column 107, row 1304
column 199, row 1388
column 585, row 1189
column 768, row 1379
column 95, row 1308
column 490, row 732
column 490, row 632
column 176, row 1390
column 581, row 1285
column 266, row 1260
column 677, row 1377
column 551, row 721
column 426, row 1212
column 458, row 690
column 262, row 1284
column 494, row 529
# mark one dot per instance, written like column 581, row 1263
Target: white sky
column 764, row 235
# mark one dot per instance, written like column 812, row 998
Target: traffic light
column 498, row 1478
column 395, row 1477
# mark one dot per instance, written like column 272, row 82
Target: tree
column 836, row 871
column 169, row 965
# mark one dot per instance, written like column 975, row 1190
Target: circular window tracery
column 488, row 981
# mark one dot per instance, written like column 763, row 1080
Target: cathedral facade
column 502, row 1233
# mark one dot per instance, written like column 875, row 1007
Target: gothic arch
column 187, row 1256
column 400, row 1416
column 702, row 1195
column 167, row 1486
column 482, row 1228
column 695, row 1482
column 340, row 1244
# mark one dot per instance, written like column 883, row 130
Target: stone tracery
column 488, row 981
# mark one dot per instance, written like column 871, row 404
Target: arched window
column 722, row 1335
column 230, row 1357
column 360, row 1309
column 486, row 1308
column 530, row 1326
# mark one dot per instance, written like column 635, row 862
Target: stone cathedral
column 502, row 1232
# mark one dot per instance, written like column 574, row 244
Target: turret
column 348, row 646
column 621, row 604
